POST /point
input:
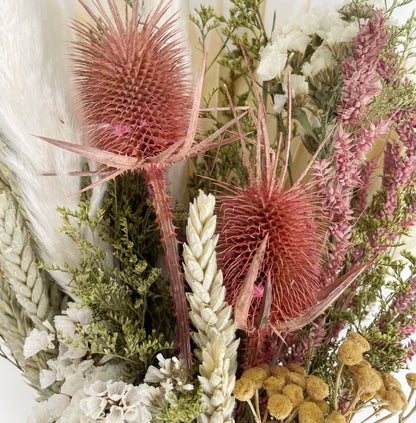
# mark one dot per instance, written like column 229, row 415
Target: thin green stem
column 337, row 386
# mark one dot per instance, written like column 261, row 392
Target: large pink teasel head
column 132, row 80
column 292, row 223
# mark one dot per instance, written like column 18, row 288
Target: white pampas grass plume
column 35, row 99
column 210, row 314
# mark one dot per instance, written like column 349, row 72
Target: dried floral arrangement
column 284, row 292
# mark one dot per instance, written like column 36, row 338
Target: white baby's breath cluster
column 295, row 37
column 210, row 314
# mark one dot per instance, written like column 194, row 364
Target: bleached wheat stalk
column 17, row 262
column 210, row 314
column 15, row 326
column 35, row 99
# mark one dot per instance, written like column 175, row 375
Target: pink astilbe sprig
column 135, row 96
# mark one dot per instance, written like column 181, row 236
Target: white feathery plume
column 210, row 314
column 35, row 99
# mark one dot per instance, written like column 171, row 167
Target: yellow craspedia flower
column 316, row 388
column 335, row 417
column 294, row 392
column 293, row 367
column 309, row 412
column 396, row 400
column 280, row 371
column 368, row 379
column 257, row 374
column 361, row 342
column 363, row 363
column 279, row 406
column 296, row 378
column 390, row 381
column 411, row 380
column 323, row 405
column 267, row 368
column 349, row 353
column 367, row 396
column 273, row 385
column 244, row 389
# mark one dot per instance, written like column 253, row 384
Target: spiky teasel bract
column 132, row 81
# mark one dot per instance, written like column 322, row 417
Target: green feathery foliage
column 118, row 293
column 244, row 26
column 184, row 407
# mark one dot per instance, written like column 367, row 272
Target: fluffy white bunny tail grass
column 35, row 99
column 210, row 314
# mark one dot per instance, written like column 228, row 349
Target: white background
column 16, row 398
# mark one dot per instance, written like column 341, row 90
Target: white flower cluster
column 116, row 402
column 295, row 37
column 87, row 391
column 171, row 378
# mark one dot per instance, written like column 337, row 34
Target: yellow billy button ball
column 411, row 380
column 323, row 405
column 396, row 400
column 279, row 406
column 349, row 353
column 316, row 388
column 361, row 342
column 273, row 385
column 309, row 412
column 390, row 381
column 368, row 380
column 267, row 368
column 280, row 371
column 294, row 392
column 293, row 367
column 244, row 389
column 335, row 417
column 257, row 374
column 296, row 378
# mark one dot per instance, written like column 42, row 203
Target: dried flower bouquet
column 283, row 292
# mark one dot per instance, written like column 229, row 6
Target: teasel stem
column 161, row 203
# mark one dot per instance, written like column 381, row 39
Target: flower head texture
column 132, row 81
column 290, row 220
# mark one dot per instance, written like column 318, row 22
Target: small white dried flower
column 93, row 406
column 272, row 63
column 299, row 85
column 279, row 102
column 321, row 59
column 38, row 340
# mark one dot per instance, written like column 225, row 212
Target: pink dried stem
column 161, row 202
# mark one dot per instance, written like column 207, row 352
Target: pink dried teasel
column 271, row 245
column 132, row 81
column 135, row 99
